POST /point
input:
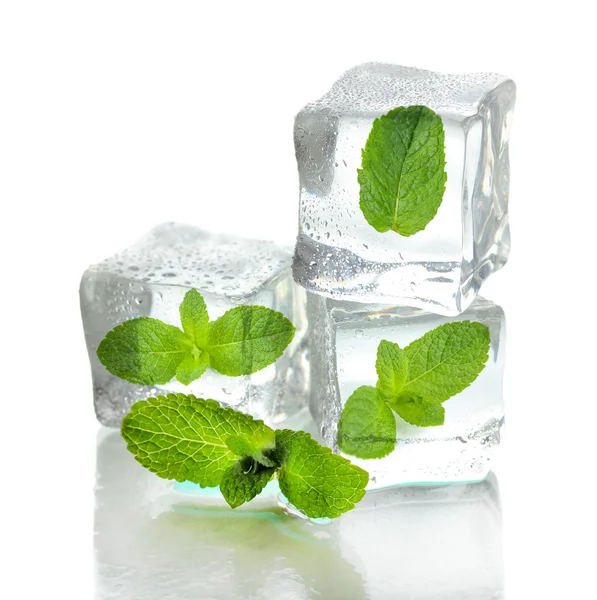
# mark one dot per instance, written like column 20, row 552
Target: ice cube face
column 151, row 278
column 441, row 268
column 344, row 340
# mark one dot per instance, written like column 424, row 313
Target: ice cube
column 151, row 278
column 344, row 340
column 441, row 268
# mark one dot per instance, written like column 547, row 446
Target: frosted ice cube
column 152, row 543
column 151, row 278
column 344, row 340
column 442, row 267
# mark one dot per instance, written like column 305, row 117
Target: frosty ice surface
column 441, row 268
column 150, row 279
column 344, row 340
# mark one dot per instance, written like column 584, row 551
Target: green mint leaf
column 194, row 317
column 319, row 483
column 244, row 480
column 247, row 339
column 392, row 368
column 144, row 351
column 447, row 359
column 259, row 445
column 402, row 177
column 184, row 438
column 192, row 366
column 418, row 411
column 367, row 427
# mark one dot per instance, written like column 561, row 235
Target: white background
column 115, row 116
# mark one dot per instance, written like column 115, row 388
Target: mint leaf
column 192, row 366
column 184, row 438
column 392, row 368
column 194, row 317
column 418, row 411
column 190, row 439
column 244, row 480
column 447, row 359
column 247, row 339
column 402, row 177
column 144, row 351
column 319, row 483
column 367, row 427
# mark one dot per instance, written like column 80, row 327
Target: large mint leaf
column 402, row 177
column 247, row 339
column 184, row 438
column 367, row 427
column 319, row 483
column 144, row 351
column 447, row 359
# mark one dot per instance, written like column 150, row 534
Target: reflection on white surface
column 153, row 543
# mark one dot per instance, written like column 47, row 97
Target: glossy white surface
column 152, row 542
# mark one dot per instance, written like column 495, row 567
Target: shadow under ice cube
column 441, row 268
column 344, row 338
column 151, row 278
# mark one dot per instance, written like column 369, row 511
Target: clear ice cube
column 344, row 337
column 441, row 268
column 151, row 278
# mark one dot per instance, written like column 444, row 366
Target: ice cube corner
column 439, row 269
column 150, row 279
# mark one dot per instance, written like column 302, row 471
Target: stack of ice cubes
column 349, row 286
column 364, row 286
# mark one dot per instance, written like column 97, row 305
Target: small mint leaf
column 392, row 368
column 184, row 438
column 194, row 317
column 402, row 177
column 319, row 483
column 244, row 480
column 367, row 426
column 418, row 411
column 192, row 366
column 247, row 339
column 144, row 351
column 447, row 359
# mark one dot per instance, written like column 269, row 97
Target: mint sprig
column 413, row 383
column 242, row 341
column 402, row 179
column 190, row 439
